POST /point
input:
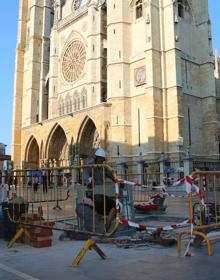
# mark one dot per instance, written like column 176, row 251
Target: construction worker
column 94, row 205
column 95, row 201
column 96, row 174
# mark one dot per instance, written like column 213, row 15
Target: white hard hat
column 100, row 153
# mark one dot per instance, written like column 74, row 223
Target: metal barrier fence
column 148, row 184
column 90, row 200
column 146, row 178
column 204, row 207
column 76, row 200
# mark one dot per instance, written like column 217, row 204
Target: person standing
column 36, row 182
column 4, row 199
column 4, row 191
column 45, row 181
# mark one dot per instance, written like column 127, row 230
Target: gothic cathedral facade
column 135, row 77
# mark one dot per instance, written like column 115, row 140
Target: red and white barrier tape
column 187, row 251
column 136, row 225
column 188, row 181
column 121, row 181
column 189, row 186
column 161, row 188
column 117, row 201
column 149, row 228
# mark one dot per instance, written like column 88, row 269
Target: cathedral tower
column 133, row 76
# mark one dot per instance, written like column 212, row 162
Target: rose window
column 74, row 60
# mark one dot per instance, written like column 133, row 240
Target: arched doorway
column 32, row 154
column 88, row 139
column 57, row 147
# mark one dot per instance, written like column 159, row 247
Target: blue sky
column 8, row 33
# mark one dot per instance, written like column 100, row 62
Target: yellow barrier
column 76, row 200
column 204, row 207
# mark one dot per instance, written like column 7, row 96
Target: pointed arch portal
column 88, row 139
column 57, row 148
column 32, row 154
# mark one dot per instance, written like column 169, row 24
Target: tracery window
column 181, row 8
column 84, row 100
column 139, row 8
column 75, row 104
column 68, row 105
column 73, row 62
column 61, row 107
column 78, row 103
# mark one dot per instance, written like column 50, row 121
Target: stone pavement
column 150, row 262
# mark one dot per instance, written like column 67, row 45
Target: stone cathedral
column 135, row 77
